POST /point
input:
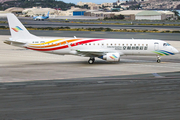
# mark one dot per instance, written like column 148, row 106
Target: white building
column 86, row 3
column 149, row 15
column 39, row 11
column 134, row 14
column 3, row 14
column 168, row 15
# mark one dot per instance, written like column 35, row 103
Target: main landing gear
column 158, row 59
column 91, row 60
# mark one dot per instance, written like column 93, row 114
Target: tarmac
column 42, row 66
column 35, row 85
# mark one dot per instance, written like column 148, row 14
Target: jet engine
column 111, row 57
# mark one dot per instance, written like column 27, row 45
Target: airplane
column 41, row 17
column 110, row 50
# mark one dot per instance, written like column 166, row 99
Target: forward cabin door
column 156, row 46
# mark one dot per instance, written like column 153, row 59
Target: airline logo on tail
column 113, row 57
column 17, row 29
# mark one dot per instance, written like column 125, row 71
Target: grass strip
column 97, row 29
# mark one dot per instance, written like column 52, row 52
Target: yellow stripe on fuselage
column 52, row 45
column 48, row 42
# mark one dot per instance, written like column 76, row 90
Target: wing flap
column 95, row 53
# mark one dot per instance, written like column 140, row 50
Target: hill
column 35, row 3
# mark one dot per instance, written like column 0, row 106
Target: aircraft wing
column 91, row 52
column 95, row 53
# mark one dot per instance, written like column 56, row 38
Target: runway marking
column 170, row 65
column 156, row 75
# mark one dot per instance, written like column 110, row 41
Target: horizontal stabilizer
column 14, row 42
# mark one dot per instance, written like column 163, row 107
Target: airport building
column 134, row 14
column 38, row 11
column 128, row 14
column 15, row 10
column 53, row 12
column 72, row 12
column 149, row 15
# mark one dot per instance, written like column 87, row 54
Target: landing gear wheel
column 158, row 60
column 91, row 60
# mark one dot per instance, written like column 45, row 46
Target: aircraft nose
column 175, row 51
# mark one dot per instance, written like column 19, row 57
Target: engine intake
column 111, row 57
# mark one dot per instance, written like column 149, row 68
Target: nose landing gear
column 158, row 59
column 91, row 60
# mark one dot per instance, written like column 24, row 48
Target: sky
column 93, row 1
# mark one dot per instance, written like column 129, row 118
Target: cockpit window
column 166, row 44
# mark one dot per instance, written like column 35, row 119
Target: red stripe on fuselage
column 66, row 46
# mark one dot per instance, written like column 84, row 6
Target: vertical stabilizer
column 17, row 29
column 47, row 14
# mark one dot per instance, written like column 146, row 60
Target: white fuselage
column 122, row 46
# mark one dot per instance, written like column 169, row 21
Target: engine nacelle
column 111, row 57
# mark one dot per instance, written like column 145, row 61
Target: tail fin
column 17, row 29
column 47, row 14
